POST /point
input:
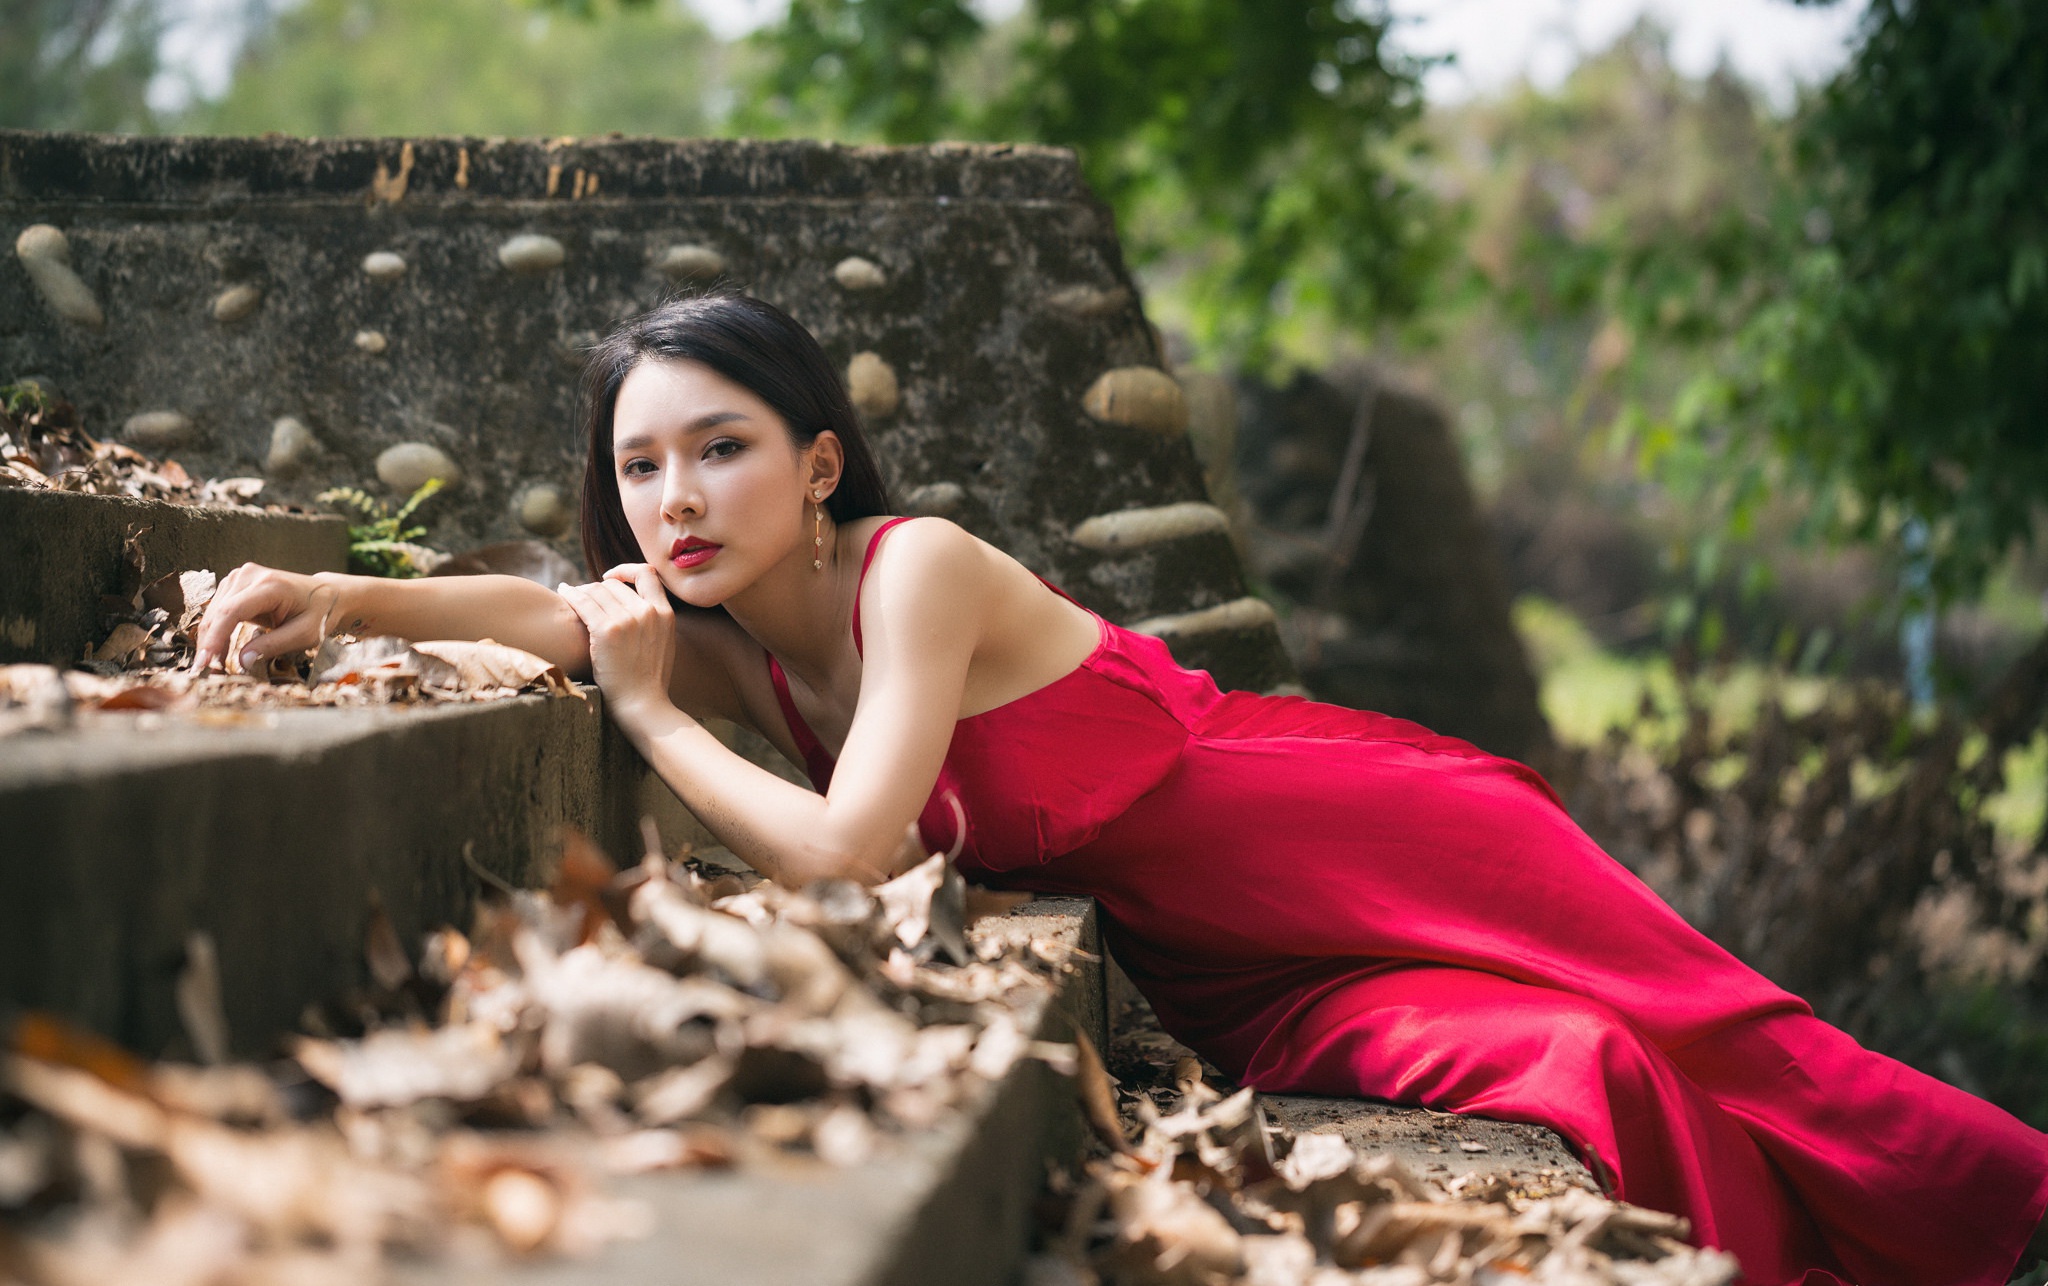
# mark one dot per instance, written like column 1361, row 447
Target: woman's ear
column 825, row 461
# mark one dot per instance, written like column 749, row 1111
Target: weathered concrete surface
column 60, row 552
column 272, row 832
column 1002, row 298
column 948, row 1206
column 1435, row 1145
column 1419, row 624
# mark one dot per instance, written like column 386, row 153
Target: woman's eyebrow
column 641, row 441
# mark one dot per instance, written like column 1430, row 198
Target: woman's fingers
column 648, row 582
column 248, row 593
column 297, row 634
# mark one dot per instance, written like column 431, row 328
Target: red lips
column 692, row 552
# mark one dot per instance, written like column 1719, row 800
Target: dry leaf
column 488, row 664
column 396, row 1067
column 198, row 999
column 123, row 645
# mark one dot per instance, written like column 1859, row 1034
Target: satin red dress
column 1329, row 901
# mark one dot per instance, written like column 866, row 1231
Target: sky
column 1773, row 43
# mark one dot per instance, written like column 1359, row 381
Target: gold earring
column 817, row 533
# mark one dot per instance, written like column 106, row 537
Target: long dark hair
column 758, row 347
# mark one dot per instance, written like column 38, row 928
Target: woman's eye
column 722, row 448
column 637, row 467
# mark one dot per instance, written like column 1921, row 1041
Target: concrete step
column 1440, row 1147
column 948, row 1206
column 62, row 551
column 272, row 831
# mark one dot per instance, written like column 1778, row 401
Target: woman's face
column 716, row 492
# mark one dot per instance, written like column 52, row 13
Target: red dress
column 1329, row 901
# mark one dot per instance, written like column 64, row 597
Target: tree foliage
column 1889, row 347
column 491, row 67
column 77, row 64
column 1254, row 149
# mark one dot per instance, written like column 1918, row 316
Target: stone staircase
column 993, row 292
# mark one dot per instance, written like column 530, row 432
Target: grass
column 1586, row 690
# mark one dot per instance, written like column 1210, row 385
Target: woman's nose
column 679, row 496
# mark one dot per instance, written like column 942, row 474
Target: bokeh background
column 1734, row 311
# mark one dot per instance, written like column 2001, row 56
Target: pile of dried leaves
column 144, row 664
column 42, row 444
column 669, row 1016
column 1209, row 1193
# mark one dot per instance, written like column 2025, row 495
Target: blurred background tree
column 1259, row 156
column 77, row 64
column 490, row 67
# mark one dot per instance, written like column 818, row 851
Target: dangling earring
column 817, row 533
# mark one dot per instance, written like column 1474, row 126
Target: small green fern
column 380, row 544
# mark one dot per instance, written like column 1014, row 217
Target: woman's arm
column 925, row 605
column 301, row 610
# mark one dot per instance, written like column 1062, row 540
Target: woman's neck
column 800, row 614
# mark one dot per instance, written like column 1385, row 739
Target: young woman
column 1317, row 899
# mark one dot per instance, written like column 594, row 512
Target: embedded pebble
column 384, row 265
column 236, row 302
column 856, row 273
column 1089, row 301
column 371, row 341
column 1133, row 528
column 292, row 447
column 43, row 250
column 871, row 382
column 408, row 466
column 530, row 252
column 575, row 348
column 543, row 511
column 1237, row 614
column 1138, row 397
column 691, row 263
column 936, row 500
column 158, row 429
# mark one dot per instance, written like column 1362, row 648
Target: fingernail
column 250, row 658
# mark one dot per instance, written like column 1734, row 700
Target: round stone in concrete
column 1136, row 528
column 871, row 383
column 371, row 341
column 543, row 510
column 292, row 447
column 236, row 302
column 409, row 466
column 1138, row 397
column 856, row 273
column 384, row 265
column 691, row 263
column 936, row 500
column 158, row 429
column 531, row 253
column 1089, row 301
column 46, row 254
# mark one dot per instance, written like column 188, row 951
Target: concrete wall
column 232, row 285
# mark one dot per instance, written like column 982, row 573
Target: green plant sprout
column 381, row 545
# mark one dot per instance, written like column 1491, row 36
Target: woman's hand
column 300, row 611
column 632, row 638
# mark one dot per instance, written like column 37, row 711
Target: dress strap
column 818, row 761
column 874, row 542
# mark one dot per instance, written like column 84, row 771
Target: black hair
column 758, row 347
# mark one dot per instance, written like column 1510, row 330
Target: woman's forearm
column 780, row 829
column 509, row 609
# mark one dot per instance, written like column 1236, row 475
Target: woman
column 1317, row 899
